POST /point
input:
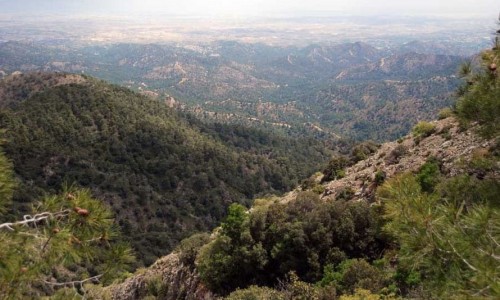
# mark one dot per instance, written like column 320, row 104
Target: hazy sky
column 236, row 8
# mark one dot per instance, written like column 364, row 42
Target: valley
column 249, row 150
column 343, row 89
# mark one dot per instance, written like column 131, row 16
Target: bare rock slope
column 168, row 278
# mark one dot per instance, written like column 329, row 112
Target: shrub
column 308, row 183
column 297, row 289
column 380, row 177
column 345, row 194
column 396, row 154
column 352, row 274
column 423, row 129
column 255, row 293
column 482, row 161
column 445, row 236
column 478, row 100
column 335, row 168
column 156, row 287
column 428, row 175
column 366, row 295
column 445, row 113
column 363, row 150
column 318, row 189
column 188, row 248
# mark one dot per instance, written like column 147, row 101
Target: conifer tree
column 68, row 240
column 480, row 96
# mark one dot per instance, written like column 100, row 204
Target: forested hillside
column 346, row 89
column 417, row 218
column 164, row 175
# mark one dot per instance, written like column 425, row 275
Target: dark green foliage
column 479, row 96
column 363, row 150
column 189, row 247
column 449, row 237
column 230, row 261
column 353, row 274
column 164, row 175
column 6, row 184
column 380, row 177
column 345, row 194
column 301, row 236
column 233, row 224
column 335, row 169
column 428, row 175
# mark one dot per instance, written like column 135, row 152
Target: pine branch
column 462, row 258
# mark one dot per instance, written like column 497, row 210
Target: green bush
column 446, row 236
column 256, row 293
column 335, row 169
column 380, row 177
column 345, row 194
column 428, row 175
column 445, row 113
column 478, row 100
column 353, row 274
column 188, row 248
column 363, row 150
column 318, row 189
column 423, row 129
column 300, row 236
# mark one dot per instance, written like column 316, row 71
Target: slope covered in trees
column 352, row 89
column 164, row 175
column 418, row 218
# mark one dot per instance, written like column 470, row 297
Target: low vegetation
column 423, row 129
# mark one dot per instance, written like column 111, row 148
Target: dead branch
column 28, row 219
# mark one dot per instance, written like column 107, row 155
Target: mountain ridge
column 204, row 77
column 135, row 151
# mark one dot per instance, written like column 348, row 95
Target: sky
column 242, row 8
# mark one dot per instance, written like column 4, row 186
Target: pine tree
column 480, row 96
column 70, row 231
column 450, row 237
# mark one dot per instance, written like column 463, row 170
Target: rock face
column 448, row 144
column 168, row 278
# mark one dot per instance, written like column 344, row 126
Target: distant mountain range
column 286, row 87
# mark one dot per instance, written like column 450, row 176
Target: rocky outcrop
column 167, row 278
column 449, row 144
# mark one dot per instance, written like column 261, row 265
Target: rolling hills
column 226, row 80
column 165, row 175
